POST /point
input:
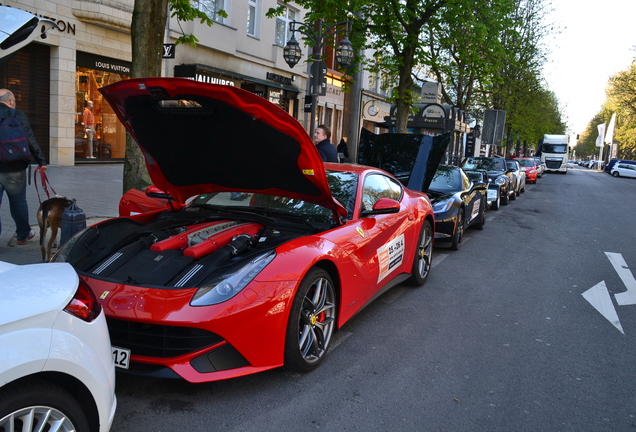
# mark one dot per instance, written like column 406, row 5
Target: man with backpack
column 17, row 144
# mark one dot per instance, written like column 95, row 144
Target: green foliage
column 184, row 11
column 621, row 98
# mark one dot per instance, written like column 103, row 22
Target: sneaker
column 23, row 242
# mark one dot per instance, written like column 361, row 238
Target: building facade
column 54, row 79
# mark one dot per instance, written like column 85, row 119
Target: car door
column 378, row 245
column 472, row 196
column 628, row 170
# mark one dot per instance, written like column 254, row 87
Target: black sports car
column 458, row 203
column 501, row 186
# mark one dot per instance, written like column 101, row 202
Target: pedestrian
column 13, row 177
column 343, row 151
column 89, row 128
column 327, row 151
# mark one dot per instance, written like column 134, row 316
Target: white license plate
column 121, row 357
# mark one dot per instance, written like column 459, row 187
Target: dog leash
column 45, row 181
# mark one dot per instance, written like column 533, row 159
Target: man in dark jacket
column 327, row 151
column 13, row 179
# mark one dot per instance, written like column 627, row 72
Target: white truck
column 554, row 151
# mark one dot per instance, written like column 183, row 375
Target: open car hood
column 19, row 28
column 203, row 138
column 411, row 158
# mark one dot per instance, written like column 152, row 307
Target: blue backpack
column 14, row 141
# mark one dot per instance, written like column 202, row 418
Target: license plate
column 121, row 357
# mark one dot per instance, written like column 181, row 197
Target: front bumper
column 493, row 193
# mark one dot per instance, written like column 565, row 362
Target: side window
column 378, row 186
column 465, row 180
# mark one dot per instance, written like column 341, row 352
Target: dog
column 50, row 215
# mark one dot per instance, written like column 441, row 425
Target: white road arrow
column 599, row 297
column 628, row 297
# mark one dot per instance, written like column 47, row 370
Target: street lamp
column 318, row 34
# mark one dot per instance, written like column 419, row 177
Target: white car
column 19, row 28
column 56, row 366
column 624, row 170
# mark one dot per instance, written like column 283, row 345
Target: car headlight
column 500, row 181
column 442, row 206
column 226, row 286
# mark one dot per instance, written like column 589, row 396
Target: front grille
column 553, row 164
column 161, row 341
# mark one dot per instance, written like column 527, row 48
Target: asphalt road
column 501, row 338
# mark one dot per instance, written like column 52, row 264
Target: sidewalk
column 97, row 189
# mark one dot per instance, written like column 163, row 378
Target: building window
column 212, row 9
column 373, row 81
column 252, row 17
column 282, row 26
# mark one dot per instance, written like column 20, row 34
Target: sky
column 597, row 40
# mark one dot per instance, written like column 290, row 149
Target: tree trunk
column 147, row 42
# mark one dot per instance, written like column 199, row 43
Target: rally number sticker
column 390, row 256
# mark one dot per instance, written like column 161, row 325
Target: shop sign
column 105, row 64
column 168, row 51
column 279, row 78
column 214, row 80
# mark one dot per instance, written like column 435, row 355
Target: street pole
column 318, row 34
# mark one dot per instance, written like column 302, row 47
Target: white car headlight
column 442, row 206
column 228, row 285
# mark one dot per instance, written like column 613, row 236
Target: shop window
column 109, row 140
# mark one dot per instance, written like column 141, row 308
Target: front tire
column 458, row 236
column 423, row 256
column 505, row 200
column 43, row 404
column 311, row 322
column 482, row 216
column 497, row 203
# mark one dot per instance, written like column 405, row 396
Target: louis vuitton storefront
column 109, row 140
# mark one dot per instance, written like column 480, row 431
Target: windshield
column 343, row 187
column 489, row 164
column 554, row 148
column 526, row 162
column 447, row 179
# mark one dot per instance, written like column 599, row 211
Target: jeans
column 14, row 184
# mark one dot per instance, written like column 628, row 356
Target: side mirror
column 154, row 192
column 383, row 206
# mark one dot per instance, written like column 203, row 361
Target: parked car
column 56, row 368
column 624, row 170
column 520, row 177
column 501, row 186
column 458, row 203
column 612, row 162
column 529, row 166
column 206, row 288
column 19, row 28
column 540, row 166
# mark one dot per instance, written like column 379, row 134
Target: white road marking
column 628, row 297
column 438, row 259
column 599, row 297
